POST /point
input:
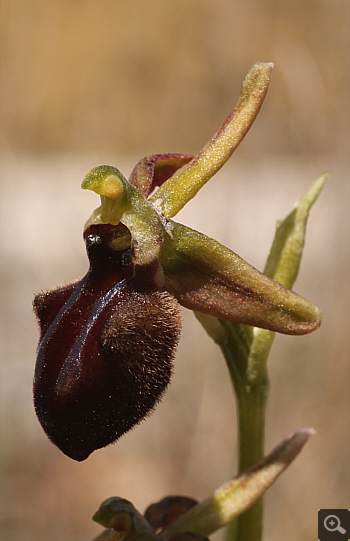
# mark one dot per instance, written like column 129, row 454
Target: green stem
column 251, row 405
column 251, row 409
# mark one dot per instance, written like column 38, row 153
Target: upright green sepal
column 187, row 181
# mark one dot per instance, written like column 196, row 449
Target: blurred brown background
column 86, row 82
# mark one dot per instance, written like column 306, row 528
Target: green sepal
column 173, row 195
column 206, row 276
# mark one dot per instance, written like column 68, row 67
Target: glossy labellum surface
column 105, row 352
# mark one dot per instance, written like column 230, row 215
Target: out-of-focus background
column 87, row 82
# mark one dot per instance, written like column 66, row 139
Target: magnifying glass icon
column 332, row 524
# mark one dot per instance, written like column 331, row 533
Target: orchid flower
column 108, row 341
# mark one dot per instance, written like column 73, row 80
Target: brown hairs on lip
column 106, row 349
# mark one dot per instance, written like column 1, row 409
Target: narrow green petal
column 232, row 499
column 185, row 183
column 121, row 202
column 207, row 277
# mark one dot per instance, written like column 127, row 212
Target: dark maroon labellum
column 105, row 353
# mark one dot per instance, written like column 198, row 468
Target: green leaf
column 287, row 249
column 235, row 497
column 251, row 346
column 283, row 265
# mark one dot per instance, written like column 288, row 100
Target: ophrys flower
column 107, row 341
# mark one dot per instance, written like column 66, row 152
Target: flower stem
column 251, row 409
column 251, row 406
